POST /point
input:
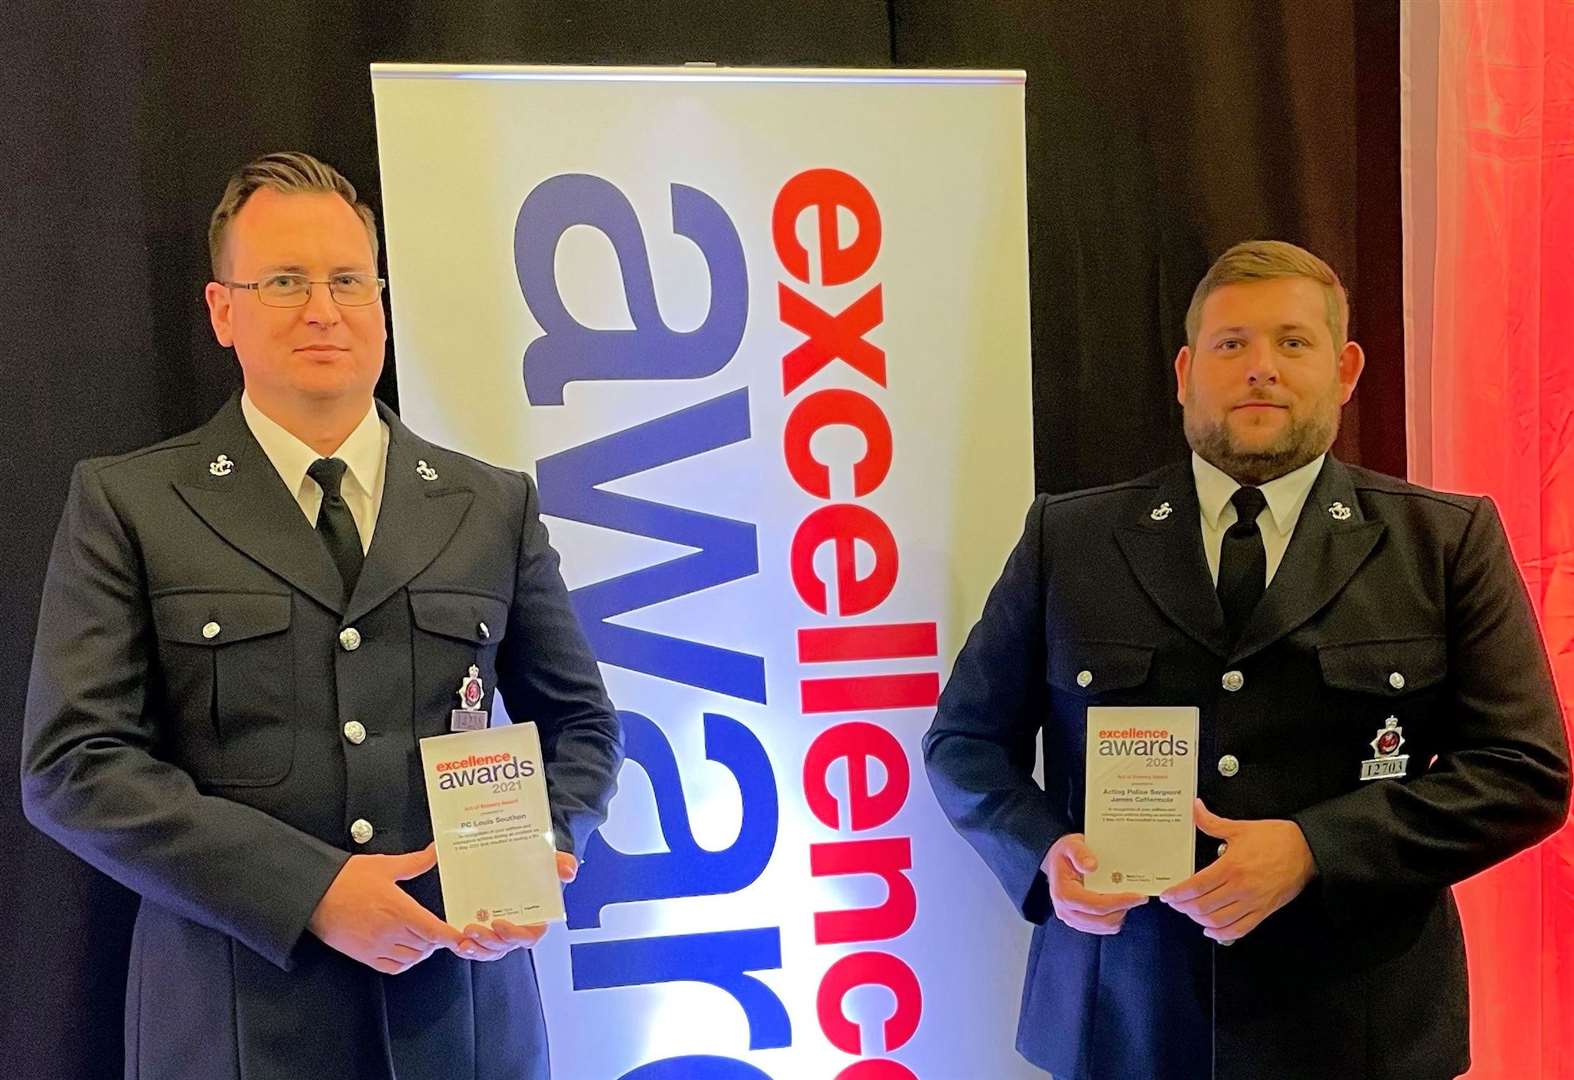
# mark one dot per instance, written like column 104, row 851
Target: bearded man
column 1316, row 615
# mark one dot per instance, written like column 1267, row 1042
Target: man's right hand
column 369, row 918
column 1077, row 907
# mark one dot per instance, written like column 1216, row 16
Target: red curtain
column 1492, row 411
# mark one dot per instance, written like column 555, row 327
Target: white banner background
column 941, row 155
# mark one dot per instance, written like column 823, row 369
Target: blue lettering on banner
column 697, row 1067
column 568, row 350
column 609, row 876
column 570, row 488
column 720, row 958
column 722, row 550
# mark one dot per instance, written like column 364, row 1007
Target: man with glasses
column 246, row 631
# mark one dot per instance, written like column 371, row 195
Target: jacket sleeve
column 547, row 674
column 1502, row 782
column 979, row 750
column 91, row 777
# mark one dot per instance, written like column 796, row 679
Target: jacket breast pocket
column 1098, row 671
column 1083, row 672
column 454, row 630
column 229, row 681
column 1384, row 699
column 1389, row 669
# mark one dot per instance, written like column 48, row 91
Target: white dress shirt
column 364, row 452
column 1285, row 496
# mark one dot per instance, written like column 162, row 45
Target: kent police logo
column 1389, row 762
column 471, row 689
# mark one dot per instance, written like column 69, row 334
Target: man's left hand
column 503, row 937
column 1265, row 865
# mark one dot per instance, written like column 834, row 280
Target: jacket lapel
column 243, row 499
column 1163, row 544
column 1331, row 541
column 422, row 508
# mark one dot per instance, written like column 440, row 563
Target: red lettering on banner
column 829, row 408
column 831, row 337
column 887, row 857
column 826, row 191
column 876, row 1069
column 895, row 641
column 868, row 692
column 869, row 969
column 856, row 743
column 844, row 523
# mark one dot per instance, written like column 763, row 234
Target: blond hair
column 291, row 172
column 1266, row 260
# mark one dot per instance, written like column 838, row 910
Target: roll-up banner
column 761, row 336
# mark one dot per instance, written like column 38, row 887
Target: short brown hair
column 1265, row 260
column 292, row 172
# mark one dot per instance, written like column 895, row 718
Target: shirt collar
column 1286, row 494
column 363, row 451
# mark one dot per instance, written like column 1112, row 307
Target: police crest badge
column 469, row 716
column 1389, row 762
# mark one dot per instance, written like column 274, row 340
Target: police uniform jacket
column 190, row 731
column 1392, row 601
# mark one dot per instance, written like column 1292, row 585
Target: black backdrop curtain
column 1158, row 133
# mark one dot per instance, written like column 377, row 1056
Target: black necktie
column 1243, row 562
column 334, row 523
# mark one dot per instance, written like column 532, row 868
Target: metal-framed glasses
column 348, row 289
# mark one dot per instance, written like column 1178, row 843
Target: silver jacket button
column 349, row 639
column 1233, row 681
column 1229, row 765
column 1397, row 681
column 360, row 830
column 1084, row 678
column 211, row 630
column 355, row 731
column 484, row 630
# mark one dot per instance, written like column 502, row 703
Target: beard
column 1304, row 437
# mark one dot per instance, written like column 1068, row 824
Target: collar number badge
column 425, row 471
column 1339, row 512
column 1161, row 511
column 1389, row 762
column 221, row 466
